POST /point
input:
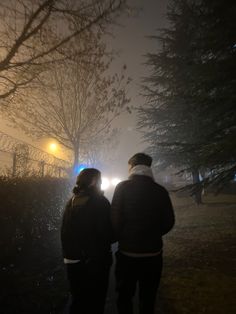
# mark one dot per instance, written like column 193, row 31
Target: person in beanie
column 86, row 236
column 141, row 214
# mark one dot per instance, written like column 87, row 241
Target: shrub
column 32, row 272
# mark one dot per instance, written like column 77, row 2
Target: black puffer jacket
column 86, row 230
column 141, row 213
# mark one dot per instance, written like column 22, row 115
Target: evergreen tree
column 189, row 118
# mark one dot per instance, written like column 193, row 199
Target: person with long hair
column 86, row 236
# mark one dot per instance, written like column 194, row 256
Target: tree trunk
column 198, row 192
column 76, row 161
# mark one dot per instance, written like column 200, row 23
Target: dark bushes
column 31, row 267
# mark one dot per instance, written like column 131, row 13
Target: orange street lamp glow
column 53, row 147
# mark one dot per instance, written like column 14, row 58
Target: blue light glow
column 79, row 168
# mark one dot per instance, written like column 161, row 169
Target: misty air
column 117, row 156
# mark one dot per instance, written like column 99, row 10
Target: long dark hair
column 85, row 178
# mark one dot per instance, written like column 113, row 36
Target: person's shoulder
column 123, row 184
column 161, row 188
column 102, row 199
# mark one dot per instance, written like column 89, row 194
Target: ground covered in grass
column 200, row 258
column 199, row 273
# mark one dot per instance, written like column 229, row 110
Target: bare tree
column 101, row 151
column 33, row 33
column 78, row 103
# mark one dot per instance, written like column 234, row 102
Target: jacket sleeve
column 104, row 225
column 116, row 210
column 167, row 215
column 64, row 225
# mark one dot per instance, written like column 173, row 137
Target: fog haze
column 131, row 42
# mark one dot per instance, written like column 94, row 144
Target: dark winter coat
column 141, row 214
column 86, row 230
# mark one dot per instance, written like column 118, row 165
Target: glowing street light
column 53, row 147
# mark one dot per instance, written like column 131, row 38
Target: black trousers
column 144, row 271
column 88, row 286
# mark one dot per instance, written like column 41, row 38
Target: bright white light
column 105, row 184
column 115, row 181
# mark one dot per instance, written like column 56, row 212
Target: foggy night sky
column 132, row 42
column 132, row 45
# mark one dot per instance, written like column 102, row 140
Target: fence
column 18, row 158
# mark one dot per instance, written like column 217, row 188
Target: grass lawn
column 199, row 273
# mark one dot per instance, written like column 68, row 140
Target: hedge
column 32, row 273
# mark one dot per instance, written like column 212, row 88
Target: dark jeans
column 146, row 271
column 88, row 286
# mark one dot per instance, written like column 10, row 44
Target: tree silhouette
column 189, row 117
column 33, row 33
column 78, row 101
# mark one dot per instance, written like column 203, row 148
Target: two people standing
column 140, row 214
